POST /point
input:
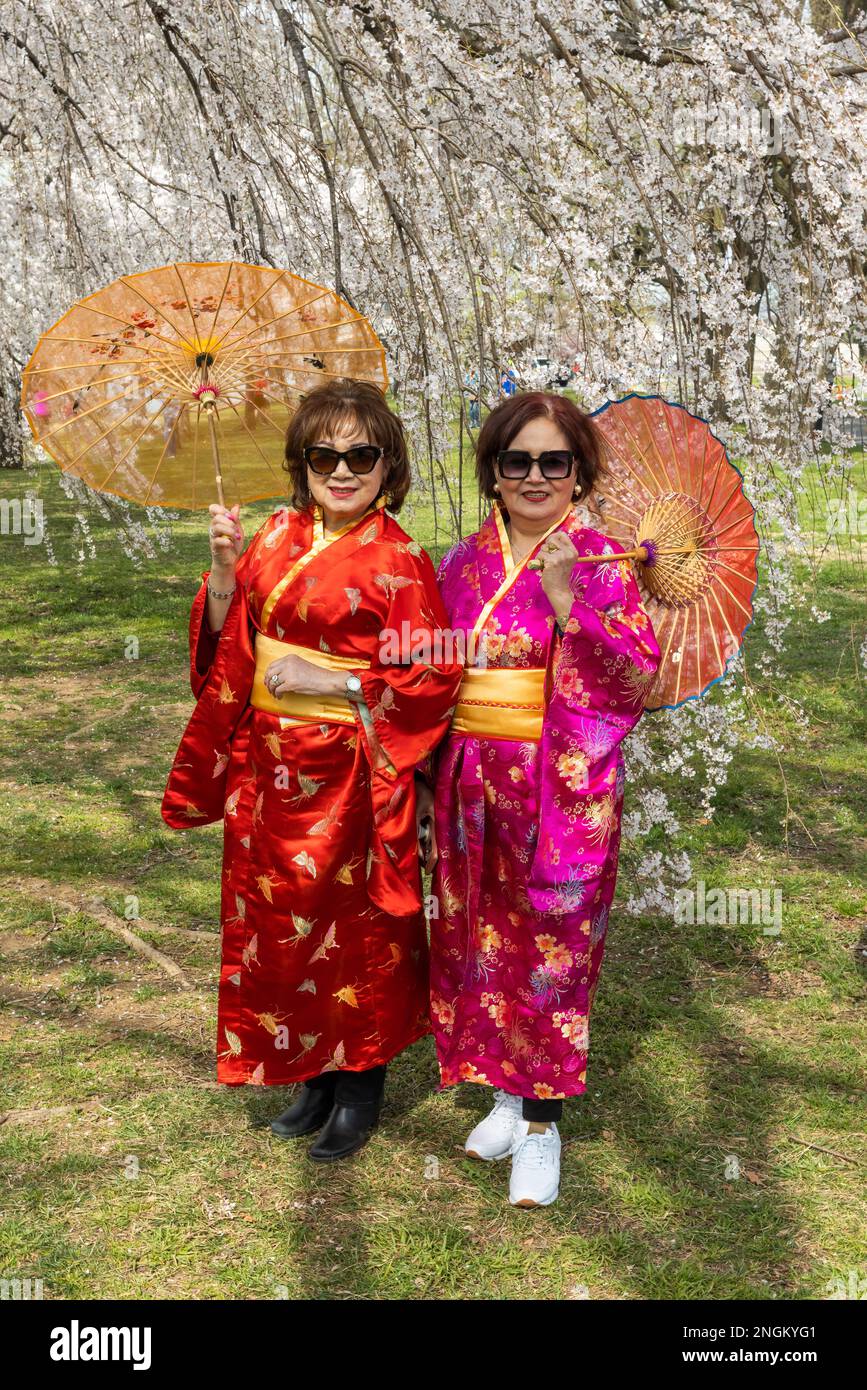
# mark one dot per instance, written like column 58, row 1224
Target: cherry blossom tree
column 672, row 193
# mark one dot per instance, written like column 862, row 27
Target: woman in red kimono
column 304, row 739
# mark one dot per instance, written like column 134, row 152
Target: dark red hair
column 326, row 409
column 509, row 418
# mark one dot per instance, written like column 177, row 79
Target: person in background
column 471, row 385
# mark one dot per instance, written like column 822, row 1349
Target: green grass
column 126, row 1172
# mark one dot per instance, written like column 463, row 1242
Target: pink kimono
column 528, row 831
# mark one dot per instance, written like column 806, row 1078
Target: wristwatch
column 353, row 687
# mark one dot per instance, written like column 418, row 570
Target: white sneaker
column 492, row 1137
column 535, row 1180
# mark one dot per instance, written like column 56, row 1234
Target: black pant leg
column 543, row 1112
column 360, row 1087
column 325, row 1081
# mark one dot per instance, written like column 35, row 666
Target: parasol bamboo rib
column 125, row 455
column 682, row 645
column 159, row 461
column 325, row 352
column 734, row 598
column 245, row 311
column 734, row 492
column 306, row 332
column 277, row 400
column 676, row 451
column 223, row 292
column 78, row 367
column 73, row 420
column 115, row 318
column 624, row 459
column 642, row 453
column 184, row 292
column 730, row 569
column 712, row 632
column 266, row 416
column 99, row 438
column 96, row 338
column 74, row 390
column 161, row 313
column 704, row 450
column 243, row 422
column 287, row 313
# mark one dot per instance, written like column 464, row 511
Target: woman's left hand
column 294, row 674
column 558, row 558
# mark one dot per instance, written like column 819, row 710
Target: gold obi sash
column 501, row 703
column 302, row 709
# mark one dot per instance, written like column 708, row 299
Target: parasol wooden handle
column 211, row 411
column 207, row 394
column 641, row 552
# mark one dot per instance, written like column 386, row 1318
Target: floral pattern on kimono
column 324, row 944
column 528, row 832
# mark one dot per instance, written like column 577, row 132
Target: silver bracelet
column 214, row 593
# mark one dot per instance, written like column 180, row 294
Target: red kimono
column 324, row 946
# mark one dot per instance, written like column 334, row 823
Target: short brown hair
column 333, row 403
column 509, row 418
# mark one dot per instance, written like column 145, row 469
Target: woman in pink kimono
column 526, row 790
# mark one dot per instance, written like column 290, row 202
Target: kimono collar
column 509, row 566
column 319, row 542
column 512, row 573
column 319, row 521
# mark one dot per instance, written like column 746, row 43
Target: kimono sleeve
column 599, row 676
column 426, row 767
column 411, row 686
column 204, row 642
column 608, row 655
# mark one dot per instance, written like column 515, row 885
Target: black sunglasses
column 361, row 458
column 516, row 463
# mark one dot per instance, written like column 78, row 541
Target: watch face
column 353, row 684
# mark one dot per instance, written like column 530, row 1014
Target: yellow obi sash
column 302, row 709
column 501, row 703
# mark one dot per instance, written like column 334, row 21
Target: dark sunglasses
column 516, row 463
column 361, row 458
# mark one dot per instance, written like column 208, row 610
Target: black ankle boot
column 346, row 1130
column 307, row 1113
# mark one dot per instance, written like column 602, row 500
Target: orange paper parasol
column 164, row 380
column 676, row 503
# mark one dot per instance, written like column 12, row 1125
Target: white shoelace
column 534, row 1150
